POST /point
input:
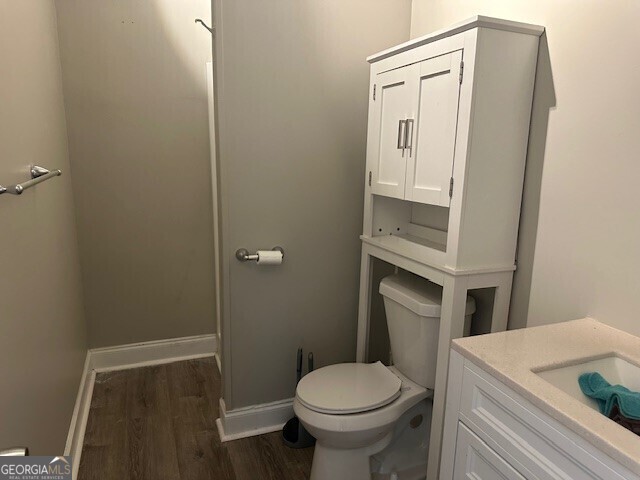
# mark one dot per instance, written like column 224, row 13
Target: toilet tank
column 412, row 305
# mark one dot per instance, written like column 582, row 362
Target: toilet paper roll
column 269, row 257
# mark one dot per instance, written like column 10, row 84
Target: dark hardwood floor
column 157, row 423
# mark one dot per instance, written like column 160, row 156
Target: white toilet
column 369, row 418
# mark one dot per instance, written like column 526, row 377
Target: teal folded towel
column 594, row 386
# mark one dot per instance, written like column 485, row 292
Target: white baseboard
column 75, row 437
column 253, row 420
column 122, row 357
column 217, row 356
column 156, row 352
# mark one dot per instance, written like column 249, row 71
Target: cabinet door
column 389, row 112
column 430, row 162
column 476, row 461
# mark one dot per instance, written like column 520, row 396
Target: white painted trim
column 123, row 357
column 214, row 192
column 253, row 420
column 156, row 352
column 479, row 21
column 224, row 437
column 75, row 437
column 217, row 356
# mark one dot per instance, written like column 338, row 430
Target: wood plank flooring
column 157, row 423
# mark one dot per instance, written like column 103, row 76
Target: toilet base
column 345, row 464
column 406, row 455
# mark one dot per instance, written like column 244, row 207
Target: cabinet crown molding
column 468, row 24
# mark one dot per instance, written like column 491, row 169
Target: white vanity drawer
column 475, row 460
column 519, row 434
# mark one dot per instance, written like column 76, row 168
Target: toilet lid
column 348, row 388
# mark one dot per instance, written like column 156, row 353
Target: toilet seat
column 348, row 388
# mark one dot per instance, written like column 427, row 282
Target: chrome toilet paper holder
column 243, row 255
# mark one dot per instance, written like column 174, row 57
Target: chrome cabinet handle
column 408, row 135
column 402, row 126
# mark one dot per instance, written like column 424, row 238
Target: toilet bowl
column 368, row 416
column 345, row 441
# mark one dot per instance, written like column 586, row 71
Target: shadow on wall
column 136, row 101
column 544, row 99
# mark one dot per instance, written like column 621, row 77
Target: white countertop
column 512, row 357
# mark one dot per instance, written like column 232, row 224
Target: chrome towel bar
column 14, row 452
column 38, row 175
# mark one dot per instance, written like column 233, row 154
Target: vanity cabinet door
column 475, row 460
column 389, row 112
column 430, row 161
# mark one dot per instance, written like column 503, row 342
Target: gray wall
column 43, row 340
column 292, row 95
column 580, row 229
column 136, row 100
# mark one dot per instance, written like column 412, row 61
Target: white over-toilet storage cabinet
column 447, row 141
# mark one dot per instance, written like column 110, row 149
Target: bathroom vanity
column 446, row 148
column 515, row 411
